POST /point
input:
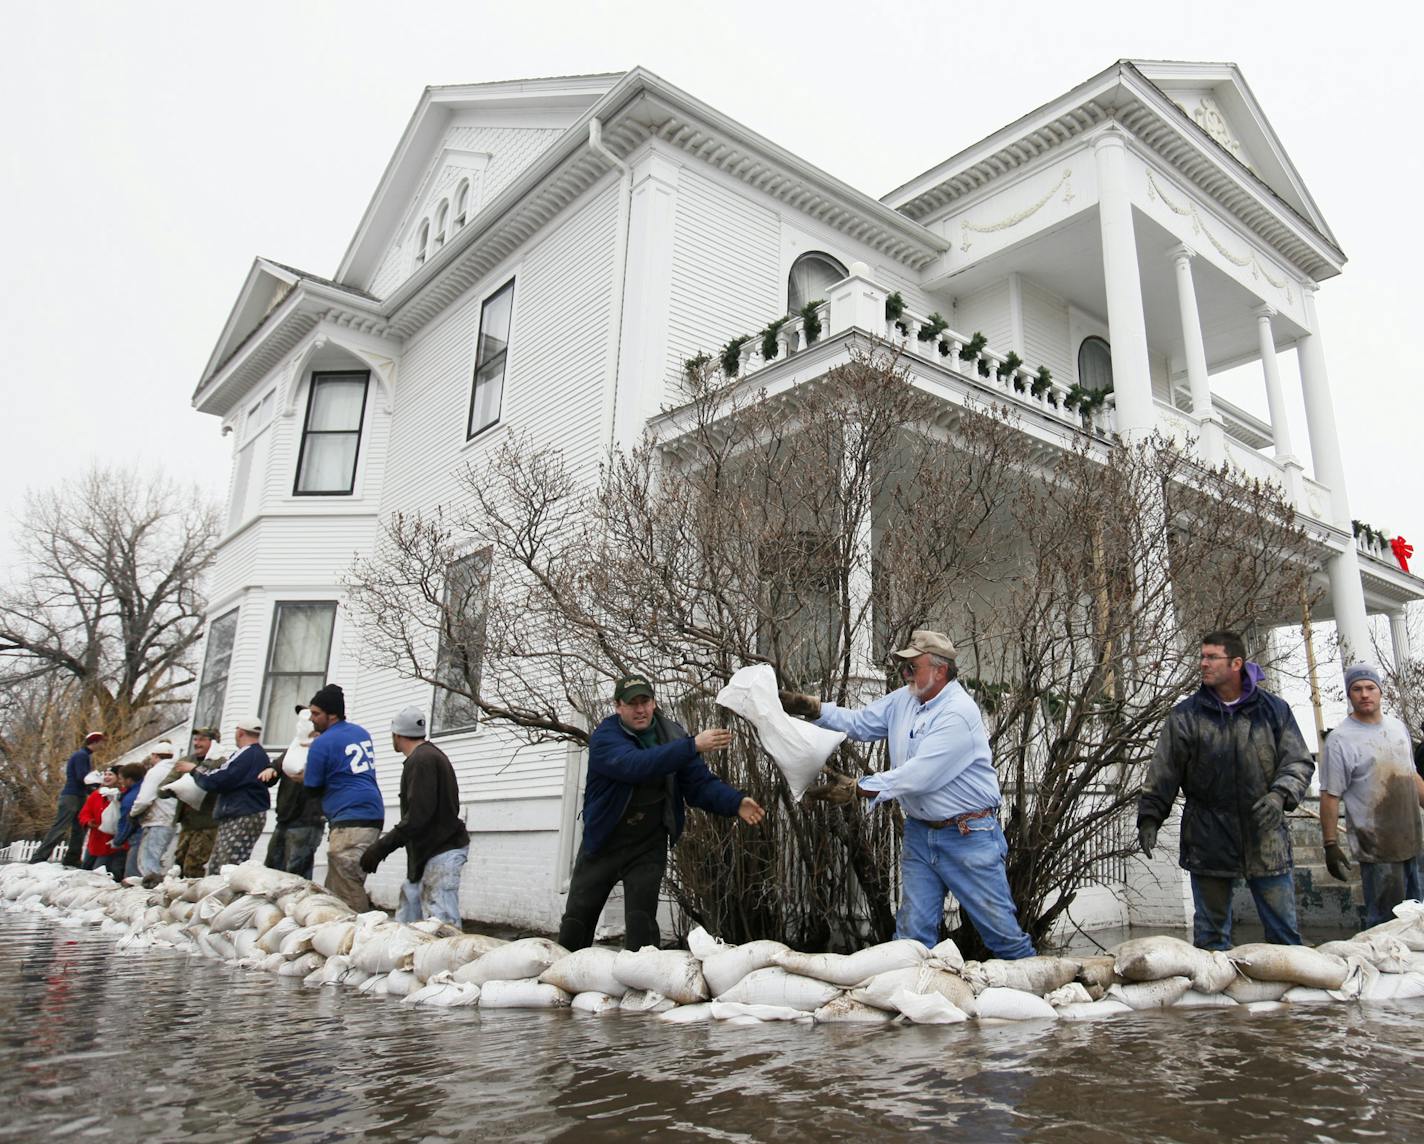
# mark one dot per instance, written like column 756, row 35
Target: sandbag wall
column 262, row 919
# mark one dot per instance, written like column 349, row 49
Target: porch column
column 1347, row 596
column 1212, row 443
column 1127, row 326
column 1399, row 639
column 1276, row 403
column 858, row 640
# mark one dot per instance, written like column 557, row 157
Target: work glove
column 794, row 703
column 1147, row 836
column 838, row 791
column 1269, row 811
column 1336, row 862
column 371, row 858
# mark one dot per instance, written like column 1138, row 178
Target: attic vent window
column 441, row 215
column 462, row 203
column 422, row 242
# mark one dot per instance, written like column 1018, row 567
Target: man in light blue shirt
column 942, row 774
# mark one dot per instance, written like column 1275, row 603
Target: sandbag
column 645, row 1001
column 512, row 961
column 848, row 970
column 1074, row 993
column 1036, row 975
column 927, row 1008
column 528, row 994
column 732, row 1010
column 272, row 962
column 1196, row 999
column 450, row 954
column 948, row 953
column 774, row 986
column 294, row 760
column 880, row 989
column 799, row 749
column 1407, row 925
column 598, row 1003
column 845, row 1010
column 703, row 945
column 333, row 938
column 1096, row 974
column 401, row 983
column 670, row 972
column 298, row 942
column 1093, row 1010
column 1394, row 987
column 1153, row 958
column 681, row 1014
column 1294, row 963
column 373, row 986
column 1150, row 994
column 1386, row 953
column 253, row 877
column 441, row 992
column 729, row 965
column 1305, row 995
column 387, row 947
column 300, row 966
column 1004, row 1004
column 315, row 908
column 271, row 941
column 1244, row 991
column 244, row 943
column 587, row 970
column 186, row 789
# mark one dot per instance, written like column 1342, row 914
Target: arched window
column 422, row 241
column 462, row 203
column 812, row 275
column 441, row 214
column 1095, row 364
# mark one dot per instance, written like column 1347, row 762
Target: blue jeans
column 293, row 849
column 153, row 847
column 1386, row 884
column 971, row 867
column 132, row 853
column 437, row 894
column 1275, row 906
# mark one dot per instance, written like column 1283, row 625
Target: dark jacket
column 1224, row 760
column 128, row 828
column 430, row 812
column 239, row 790
column 297, row 805
column 617, row 763
column 80, row 764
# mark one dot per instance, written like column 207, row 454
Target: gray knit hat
column 409, row 723
column 1358, row 671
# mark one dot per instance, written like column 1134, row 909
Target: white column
column 1276, row 403
column 1347, row 596
column 858, row 642
column 1399, row 638
column 1127, row 326
column 1213, row 442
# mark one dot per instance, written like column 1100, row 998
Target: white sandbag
column 1297, row 964
column 846, row 1010
column 298, row 942
column 373, row 986
column 670, row 972
column 1267, row 1007
column 682, row 1014
column 1245, row 991
column 848, row 970
column 332, row 971
column 449, row 954
column 1387, row 954
column 1153, row 958
column 799, row 749
column 1093, row 1010
column 1394, row 987
column 1150, row 994
column 294, row 761
column 703, row 945
column 1004, row 1004
column 774, row 986
column 1305, row 995
column 732, row 1010
column 1407, row 926
column 401, row 983
column 333, row 938
column 272, row 962
column 529, row 994
column 300, row 966
column 925, row 978
column 598, row 1003
column 1036, row 975
column 388, row 946
column 1195, row 999
column 645, row 1001
column 512, row 961
column 1074, row 993
column 927, row 1008
column 315, row 907
column 725, row 968
column 244, row 944
column 588, row 970
column 187, row 789
column 948, row 953
column 271, row 941
column 266, row 917
column 208, row 910
column 442, row 992
column 253, row 877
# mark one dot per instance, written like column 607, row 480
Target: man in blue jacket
column 71, row 798
column 1235, row 752
column 243, row 798
column 341, row 763
column 643, row 769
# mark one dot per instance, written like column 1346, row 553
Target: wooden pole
column 1311, row 670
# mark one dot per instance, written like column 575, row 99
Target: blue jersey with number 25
column 342, row 764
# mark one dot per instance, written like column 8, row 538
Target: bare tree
column 813, row 531
column 109, row 610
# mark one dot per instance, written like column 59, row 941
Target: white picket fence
column 23, row 851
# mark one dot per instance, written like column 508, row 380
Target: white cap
column 164, row 748
column 249, row 723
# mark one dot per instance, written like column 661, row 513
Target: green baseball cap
column 631, row 687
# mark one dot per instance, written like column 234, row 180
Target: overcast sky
column 154, row 149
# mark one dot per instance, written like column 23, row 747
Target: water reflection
column 159, row 1046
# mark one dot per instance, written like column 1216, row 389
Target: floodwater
column 156, row 1046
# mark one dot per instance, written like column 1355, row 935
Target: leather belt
column 960, row 820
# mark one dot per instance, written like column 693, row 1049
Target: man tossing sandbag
column 643, row 769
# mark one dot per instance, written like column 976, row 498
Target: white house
column 542, row 256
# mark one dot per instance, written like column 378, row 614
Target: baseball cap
column 631, row 687
column 249, row 723
column 923, row 641
column 409, row 723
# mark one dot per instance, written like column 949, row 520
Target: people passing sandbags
column 798, row 749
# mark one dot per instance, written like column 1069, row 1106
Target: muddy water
column 100, row 1045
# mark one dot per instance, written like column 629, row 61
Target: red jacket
column 91, row 813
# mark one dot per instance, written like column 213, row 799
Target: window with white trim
column 441, row 214
column 217, row 660
column 461, row 652
column 297, row 657
column 331, row 435
column 491, row 351
column 462, row 203
column 1095, row 364
column 812, row 275
column 422, row 241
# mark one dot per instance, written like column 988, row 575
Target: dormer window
column 462, row 203
column 422, row 242
column 442, row 214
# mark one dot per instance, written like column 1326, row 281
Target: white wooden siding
column 1045, row 330
column 986, row 311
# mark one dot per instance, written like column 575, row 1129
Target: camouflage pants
column 195, row 847
column 236, row 838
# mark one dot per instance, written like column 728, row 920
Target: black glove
column 839, row 791
column 1147, row 836
column 371, row 857
column 1336, row 862
column 794, row 703
column 1269, row 811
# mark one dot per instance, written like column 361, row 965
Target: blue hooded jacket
column 239, row 790
column 617, row 763
column 128, row 828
